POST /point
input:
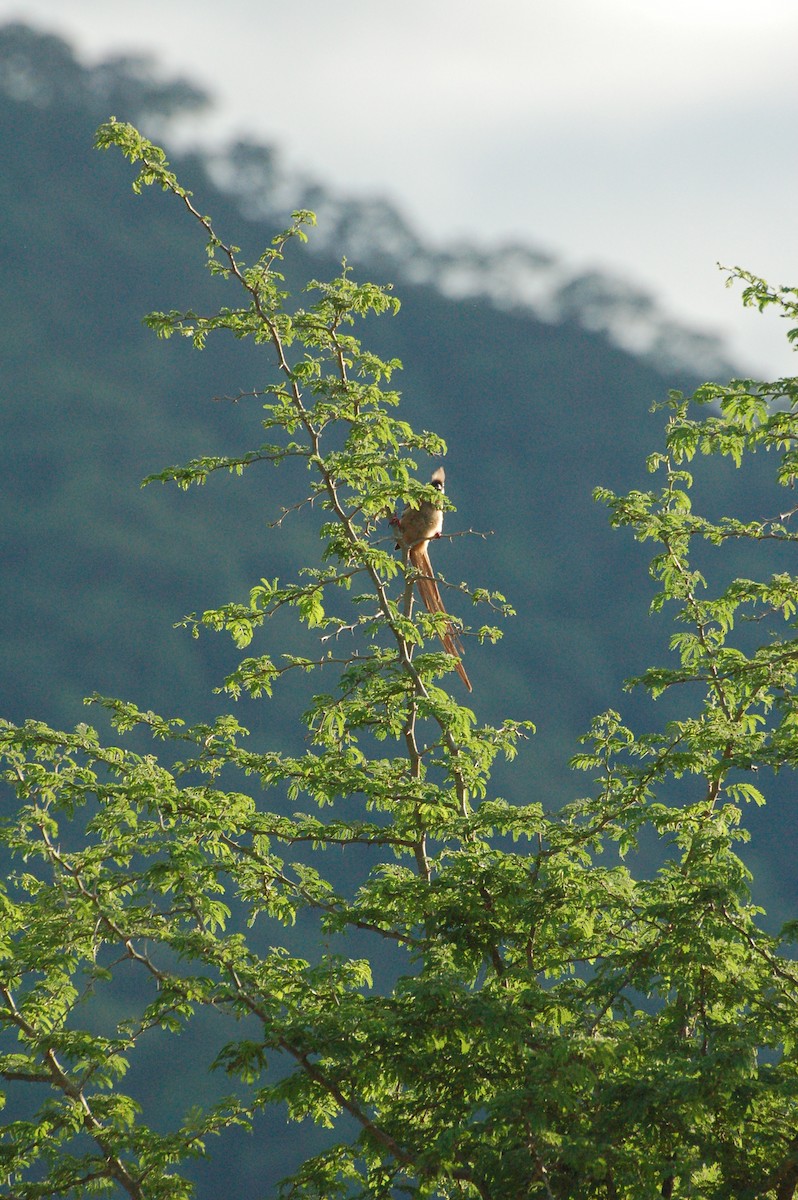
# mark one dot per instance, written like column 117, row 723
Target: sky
column 649, row 139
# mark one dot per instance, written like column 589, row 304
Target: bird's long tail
column 431, row 596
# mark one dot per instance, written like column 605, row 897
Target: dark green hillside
column 96, row 571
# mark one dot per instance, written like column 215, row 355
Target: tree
column 489, row 1002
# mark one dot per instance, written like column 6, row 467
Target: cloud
column 652, row 138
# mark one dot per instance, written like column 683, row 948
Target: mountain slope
column 96, row 571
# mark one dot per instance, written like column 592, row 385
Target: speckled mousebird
column 415, row 530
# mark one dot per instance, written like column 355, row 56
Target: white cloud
column 650, row 138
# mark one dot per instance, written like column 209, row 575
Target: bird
column 415, row 530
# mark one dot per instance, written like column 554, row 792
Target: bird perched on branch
column 415, row 530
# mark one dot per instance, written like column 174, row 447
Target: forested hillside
column 535, row 416
column 96, row 571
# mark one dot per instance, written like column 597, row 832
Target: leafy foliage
column 553, row 1026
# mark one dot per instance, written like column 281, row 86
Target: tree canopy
column 540, row 1018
